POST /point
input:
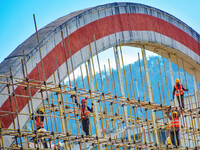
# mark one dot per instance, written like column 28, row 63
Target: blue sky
column 16, row 16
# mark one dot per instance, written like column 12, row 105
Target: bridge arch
column 134, row 24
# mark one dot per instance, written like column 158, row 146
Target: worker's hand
column 186, row 90
column 169, row 109
column 73, row 96
column 173, row 97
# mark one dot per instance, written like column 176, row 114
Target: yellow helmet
column 15, row 145
column 42, row 110
column 177, row 80
column 169, row 142
column 175, row 113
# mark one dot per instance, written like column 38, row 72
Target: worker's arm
column 184, row 89
column 42, row 118
column 77, row 104
column 173, row 93
column 169, row 115
column 90, row 109
column 179, row 114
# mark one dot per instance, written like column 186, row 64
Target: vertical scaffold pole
column 195, row 85
column 66, row 132
column 118, row 66
column 44, row 77
column 95, row 103
column 67, row 66
column 130, row 111
column 150, row 91
column 1, row 137
column 161, row 82
column 69, row 47
column 102, row 86
column 97, row 136
column 166, row 81
column 16, row 107
column 90, row 71
column 172, row 76
column 115, row 110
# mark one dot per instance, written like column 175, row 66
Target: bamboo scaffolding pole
column 120, row 79
column 171, row 75
column 162, row 104
column 43, row 72
column 68, row 121
column 82, row 77
column 63, row 119
column 69, row 48
column 114, row 100
column 166, row 81
column 127, row 90
column 11, row 107
column 97, row 136
column 161, row 80
column 95, row 106
column 42, row 100
column 1, row 137
column 108, row 91
column 134, row 94
column 102, row 86
column 150, row 92
column 118, row 110
column 16, row 106
column 110, row 97
column 67, row 66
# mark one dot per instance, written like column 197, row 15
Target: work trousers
column 85, row 125
column 44, row 141
column 173, row 136
column 181, row 102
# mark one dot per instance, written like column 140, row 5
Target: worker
column 178, row 90
column 39, row 119
column 84, row 113
column 174, row 131
column 40, row 124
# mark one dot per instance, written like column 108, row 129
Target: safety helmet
column 41, row 110
column 83, row 101
column 169, row 142
column 177, row 80
column 175, row 113
column 15, row 145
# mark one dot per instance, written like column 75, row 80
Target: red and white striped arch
column 129, row 22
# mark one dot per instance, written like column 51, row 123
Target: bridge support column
column 150, row 92
column 118, row 66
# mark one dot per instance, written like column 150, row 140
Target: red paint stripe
column 101, row 28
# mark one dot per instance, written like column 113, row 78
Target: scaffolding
column 118, row 121
column 126, row 120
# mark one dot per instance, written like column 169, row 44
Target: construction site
column 58, row 70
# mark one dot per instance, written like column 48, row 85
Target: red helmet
column 83, row 101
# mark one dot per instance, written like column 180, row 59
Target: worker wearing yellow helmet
column 175, row 127
column 39, row 126
column 179, row 91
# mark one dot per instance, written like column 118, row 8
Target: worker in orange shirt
column 40, row 124
column 178, row 90
column 84, row 114
column 175, row 127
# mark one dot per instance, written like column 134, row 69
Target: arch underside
column 134, row 24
